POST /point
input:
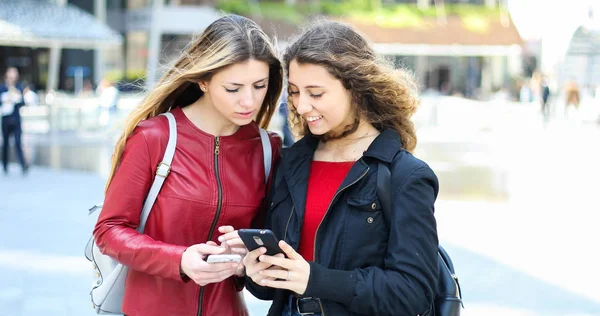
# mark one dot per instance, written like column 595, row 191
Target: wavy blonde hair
column 385, row 97
column 229, row 40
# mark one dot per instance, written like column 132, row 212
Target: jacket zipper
column 331, row 202
column 288, row 222
column 317, row 231
column 219, row 206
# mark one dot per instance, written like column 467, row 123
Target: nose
column 247, row 99
column 302, row 104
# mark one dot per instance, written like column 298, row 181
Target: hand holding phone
column 256, row 238
column 193, row 264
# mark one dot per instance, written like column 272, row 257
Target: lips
column 313, row 119
column 245, row 114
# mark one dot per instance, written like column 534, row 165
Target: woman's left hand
column 233, row 244
column 289, row 273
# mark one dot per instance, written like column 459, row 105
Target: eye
column 293, row 92
column 260, row 87
column 316, row 96
column 233, row 90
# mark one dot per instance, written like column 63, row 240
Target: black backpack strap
column 384, row 190
column 384, row 194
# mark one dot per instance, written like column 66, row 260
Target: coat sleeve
column 407, row 282
column 115, row 232
column 262, row 292
column 259, row 220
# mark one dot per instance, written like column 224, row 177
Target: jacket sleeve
column 407, row 283
column 115, row 232
column 262, row 292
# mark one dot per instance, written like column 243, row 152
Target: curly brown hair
column 384, row 97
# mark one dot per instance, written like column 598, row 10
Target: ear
column 203, row 85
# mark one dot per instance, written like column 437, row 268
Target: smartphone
column 223, row 258
column 256, row 238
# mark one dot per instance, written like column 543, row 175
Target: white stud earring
column 203, row 89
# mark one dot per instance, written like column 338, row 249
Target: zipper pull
column 217, row 144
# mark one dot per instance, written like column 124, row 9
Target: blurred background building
column 471, row 48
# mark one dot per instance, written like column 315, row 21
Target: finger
column 212, row 243
column 226, row 229
column 289, row 251
column 235, row 242
column 253, row 255
column 206, row 277
column 277, row 261
column 239, row 251
column 230, row 235
column 275, row 274
column 208, row 249
column 255, row 268
column 277, row 284
column 218, row 267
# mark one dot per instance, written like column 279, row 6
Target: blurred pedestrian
column 572, row 98
column 11, row 101
column 30, row 97
column 545, row 96
column 288, row 137
column 108, row 96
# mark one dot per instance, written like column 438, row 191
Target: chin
column 242, row 122
column 318, row 131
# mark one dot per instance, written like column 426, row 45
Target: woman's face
column 238, row 91
column 319, row 98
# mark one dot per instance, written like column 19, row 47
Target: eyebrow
column 308, row 87
column 241, row 85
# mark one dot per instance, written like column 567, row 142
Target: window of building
column 114, row 4
column 138, row 4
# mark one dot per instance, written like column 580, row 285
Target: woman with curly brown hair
column 342, row 254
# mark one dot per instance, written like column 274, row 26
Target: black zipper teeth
column 216, row 219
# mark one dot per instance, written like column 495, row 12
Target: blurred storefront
column 54, row 44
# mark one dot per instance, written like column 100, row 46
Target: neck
column 350, row 147
column 206, row 117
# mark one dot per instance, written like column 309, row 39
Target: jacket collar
column 296, row 161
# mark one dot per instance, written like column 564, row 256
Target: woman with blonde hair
column 220, row 91
column 344, row 255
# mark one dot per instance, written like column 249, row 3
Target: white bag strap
column 267, row 152
column 162, row 171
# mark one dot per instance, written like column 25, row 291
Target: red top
column 324, row 180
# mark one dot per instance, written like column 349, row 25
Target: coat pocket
column 366, row 232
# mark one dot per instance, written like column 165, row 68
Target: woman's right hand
column 253, row 266
column 202, row 272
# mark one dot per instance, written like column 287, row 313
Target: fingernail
column 221, row 238
column 261, row 258
column 263, row 250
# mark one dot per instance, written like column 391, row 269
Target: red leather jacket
column 204, row 190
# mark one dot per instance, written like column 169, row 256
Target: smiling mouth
column 313, row 118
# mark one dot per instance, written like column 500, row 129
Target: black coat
column 363, row 264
